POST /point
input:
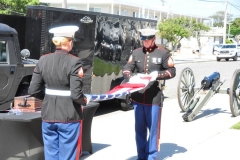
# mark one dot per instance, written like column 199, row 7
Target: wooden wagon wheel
column 234, row 94
column 185, row 88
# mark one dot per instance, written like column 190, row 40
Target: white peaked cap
column 64, row 31
column 148, row 32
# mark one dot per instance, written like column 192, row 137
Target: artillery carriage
column 191, row 99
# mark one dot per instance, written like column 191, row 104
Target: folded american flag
column 136, row 83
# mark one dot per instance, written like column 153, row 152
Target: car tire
column 218, row 59
column 227, row 59
column 235, row 57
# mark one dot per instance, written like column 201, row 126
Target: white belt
column 57, row 92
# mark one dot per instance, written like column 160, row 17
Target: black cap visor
column 147, row 37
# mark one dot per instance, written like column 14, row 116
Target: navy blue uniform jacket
column 146, row 61
column 59, row 71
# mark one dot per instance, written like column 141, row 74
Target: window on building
column 156, row 17
column 125, row 13
column 135, row 14
column 117, row 12
column 3, row 52
column 95, row 9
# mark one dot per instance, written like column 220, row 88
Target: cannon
column 191, row 99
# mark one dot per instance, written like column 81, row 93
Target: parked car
column 228, row 51
column 216, row 48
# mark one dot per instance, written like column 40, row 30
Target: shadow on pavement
column 109, row 106
column 210, row 112
column 167, row 150
column 96, row 147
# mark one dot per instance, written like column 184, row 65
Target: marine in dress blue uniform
column 60, row 75
column 148, row 102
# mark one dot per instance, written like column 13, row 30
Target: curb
column 190, row 59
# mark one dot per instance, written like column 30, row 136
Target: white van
column 228, row 51
column 216, row 48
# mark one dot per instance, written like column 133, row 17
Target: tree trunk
column 199, row 45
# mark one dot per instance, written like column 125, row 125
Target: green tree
column 196, row 29
column 235, row 27
column 218, row 18
column 17, row 7
column 174, row 29
column 228, row 41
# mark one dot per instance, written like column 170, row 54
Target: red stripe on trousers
column 79, row 144
column 159, row 127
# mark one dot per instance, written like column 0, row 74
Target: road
column 200, row 70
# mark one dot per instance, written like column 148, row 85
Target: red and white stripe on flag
column 135, row 83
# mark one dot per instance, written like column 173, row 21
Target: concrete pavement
column 192, row 58
column 186, row 56
column 207, row 137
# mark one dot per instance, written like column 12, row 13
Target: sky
column 202, row 7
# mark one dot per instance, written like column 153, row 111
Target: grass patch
column 236, row 126
column 102, row 67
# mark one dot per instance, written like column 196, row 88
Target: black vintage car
column 15, row 67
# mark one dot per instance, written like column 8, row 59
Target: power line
column 222, row 1
column 235, row 6
column 212, row 1
column 162, row 2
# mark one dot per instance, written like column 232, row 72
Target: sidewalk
column 192, row 58
column 207, row 137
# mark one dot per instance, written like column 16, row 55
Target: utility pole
column 64, row 3
column 162, row 2
column 225, row 23
column 164, row 18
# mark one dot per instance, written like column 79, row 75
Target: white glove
column 139, row 78
column 88, row 97
column 134, row 79
column 153, row 75
column 141, row 75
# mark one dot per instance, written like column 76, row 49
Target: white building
column 216, row 33
column 131, row 8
